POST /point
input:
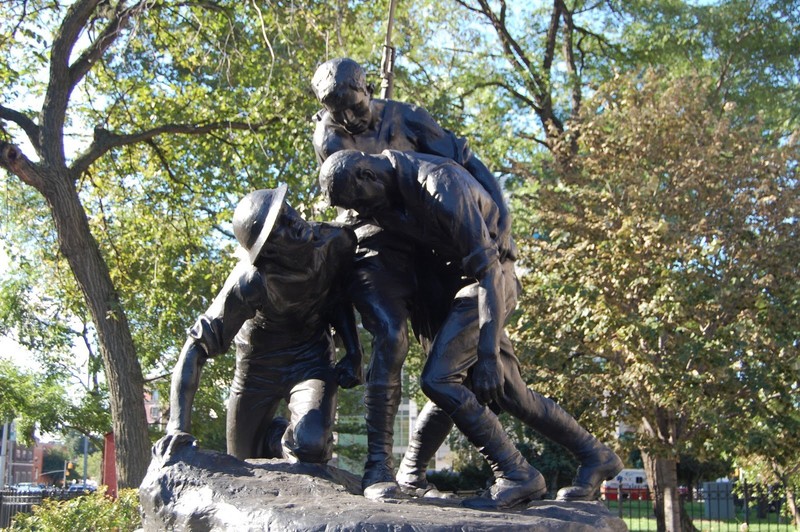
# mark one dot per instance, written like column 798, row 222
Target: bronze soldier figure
column 278, row 306
column 388, row 270
column 437, row 204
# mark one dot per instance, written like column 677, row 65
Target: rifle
column 387, row 61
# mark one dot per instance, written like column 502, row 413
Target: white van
column 631, row 483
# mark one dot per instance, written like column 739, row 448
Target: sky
column 11, row 350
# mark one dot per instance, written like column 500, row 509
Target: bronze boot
column 597, row 461
column 516, row 481
column 382, row 402
column 431, row 429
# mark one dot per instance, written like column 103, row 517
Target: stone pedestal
column 203, row 490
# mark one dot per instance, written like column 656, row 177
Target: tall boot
column 516, row 481
column 273, row 438
column 432, row 427
column 597, row 461
column 382, row 402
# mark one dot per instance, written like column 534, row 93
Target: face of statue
column 291, row 234
column 365, row 192
column 350, row 109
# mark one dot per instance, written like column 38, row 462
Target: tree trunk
column 791, row 501
column 123, row 372
column 662, row 476
column 791, row 498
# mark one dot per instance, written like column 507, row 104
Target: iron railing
column 13, row 502
column 721, row 513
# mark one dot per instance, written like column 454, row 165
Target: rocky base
column 203, row 490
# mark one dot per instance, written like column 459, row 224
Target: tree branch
column 106, row 38
column 28, row 126
column 105, row 140
column 515, row 93
column 71, row 27
column 165, row 164
column 602, row 41
column 174, row 178
column 534, row 138
column 13, row 160
column 64, row 77
column 537, row 81
column 569, row 53
column 469, row 7
column 61, row 84
column 514, row 51
column 13, row 32
column 552, row 34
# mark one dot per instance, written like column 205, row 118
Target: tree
column 664, row 265
column 749, row 48
column 46, row 396
column 691, row 471
column 511, row 77
column 31, row 400
column 768, row 453
column 56, row 462
column 191, row 105
column 514, row 61
column 56, row 178
column 170, row 90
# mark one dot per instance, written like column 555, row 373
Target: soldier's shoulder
column 250, row 282
column 409, row 109
column 338, row 236
column 328, row 136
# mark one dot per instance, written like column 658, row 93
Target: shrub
column 93, row 512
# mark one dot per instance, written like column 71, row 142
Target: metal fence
column 716, row 509
column 12, row 503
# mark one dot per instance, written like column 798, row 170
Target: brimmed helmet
column 255, row 216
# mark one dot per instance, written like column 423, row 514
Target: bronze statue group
column 424, row 237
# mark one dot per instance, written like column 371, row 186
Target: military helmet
column 255, row 216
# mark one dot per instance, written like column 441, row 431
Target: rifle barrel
column 387, row 61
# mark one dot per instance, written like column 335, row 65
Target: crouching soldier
column 278, row 306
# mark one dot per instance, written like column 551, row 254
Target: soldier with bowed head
column 435, row 203
column 278, row 306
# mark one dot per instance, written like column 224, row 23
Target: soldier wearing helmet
column 277, row 306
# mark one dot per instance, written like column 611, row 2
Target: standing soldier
column 387, row 271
